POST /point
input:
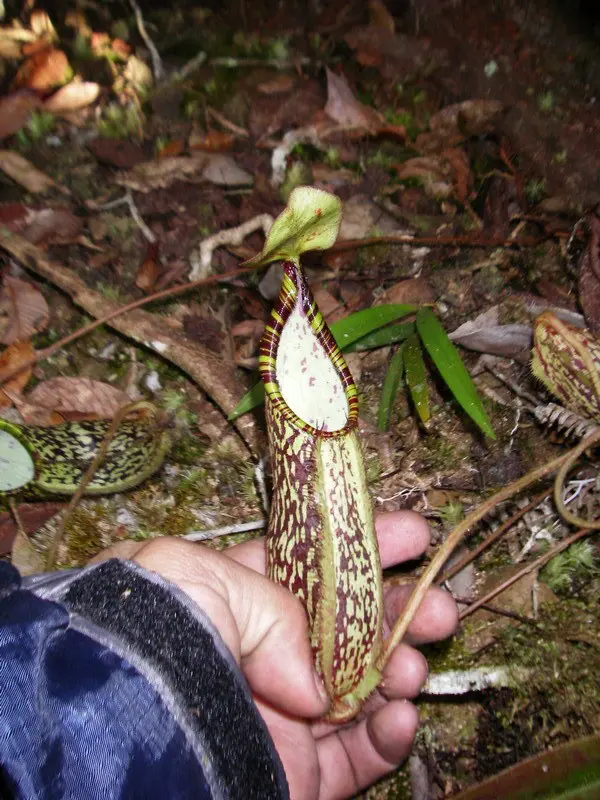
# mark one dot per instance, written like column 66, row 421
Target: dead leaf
column 81, row 396
column 412, row 290
column 206, row 330
column 432, row 172
column 223, row 171
column 249, row 327
column 32, row 516
column 72, row 97
column 160, row 173
column 136, row 72
column 25, row 308
column 279, row 85
column 52, row 226
column 41, row 25
column 330, row 307
column 173, row 148
column 117, row 152
column 469, row 118
column 149, row 270
column 589, row 274
column 44, row 70
column 15, row 110
column 9, row 49
column 343, row 107
column 24, row 173
column 24, row 556
column 212, row 141
column 11, row 357
column 462, row 178
column 485, row 335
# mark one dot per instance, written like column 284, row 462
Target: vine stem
column 440, row 558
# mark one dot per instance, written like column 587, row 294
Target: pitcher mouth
column 304, row 372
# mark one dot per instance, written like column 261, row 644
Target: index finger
column 402, row 536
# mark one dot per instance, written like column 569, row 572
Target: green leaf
column 250, row 400
column 390, row 334
column 568, row 772
column 449, row 363
column 310, row 221
column 356, row 326
column 390, row 389
column 345, row 331
column 415, row 376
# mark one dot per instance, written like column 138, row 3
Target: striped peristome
column 321, row 541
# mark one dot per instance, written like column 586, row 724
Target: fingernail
column 320, row 686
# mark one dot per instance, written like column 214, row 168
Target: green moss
column 121, row 122
column 85, row 534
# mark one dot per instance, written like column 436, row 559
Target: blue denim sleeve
column 116, row 686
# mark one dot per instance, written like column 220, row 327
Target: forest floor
column 464, row 143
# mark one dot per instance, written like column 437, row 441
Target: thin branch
column 157, row 65
column 213, row 533
column 539, row 562
column 442, row 555
column 89, row 474
column 472, row 554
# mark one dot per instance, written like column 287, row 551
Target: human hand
column 265, row 628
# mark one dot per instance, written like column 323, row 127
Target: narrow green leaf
column 390, row 389
column 310, row 221
column 415, row 376
column 255, row 397
column 391, row 334
column 356, row 326
column 449, row 363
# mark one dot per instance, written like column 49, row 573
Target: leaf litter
column 366, row 102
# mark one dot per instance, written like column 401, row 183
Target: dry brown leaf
column 9, row 49
column 52, row 225
column 411, row 290
column 72, row 97
column 25, row 309
column 279, row 85
column 160, row 173
column 10, row 358
column 32, row 516
column 149, row 270
column 82, row 396
column 211, row 142
column 463, row 178
column 223, row 171
column 41, row 25
column 24, row 556
column 485, row 335
column 469, row 118
column 15, row 110
column 343, row 107
column 330, row 307
column 43, row 70
column 24, row 173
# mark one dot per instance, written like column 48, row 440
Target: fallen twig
column 472, row 554
column 227, row 530
column 539, row 562
column 157, row 65
column 219, row 381
column 201, row 258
